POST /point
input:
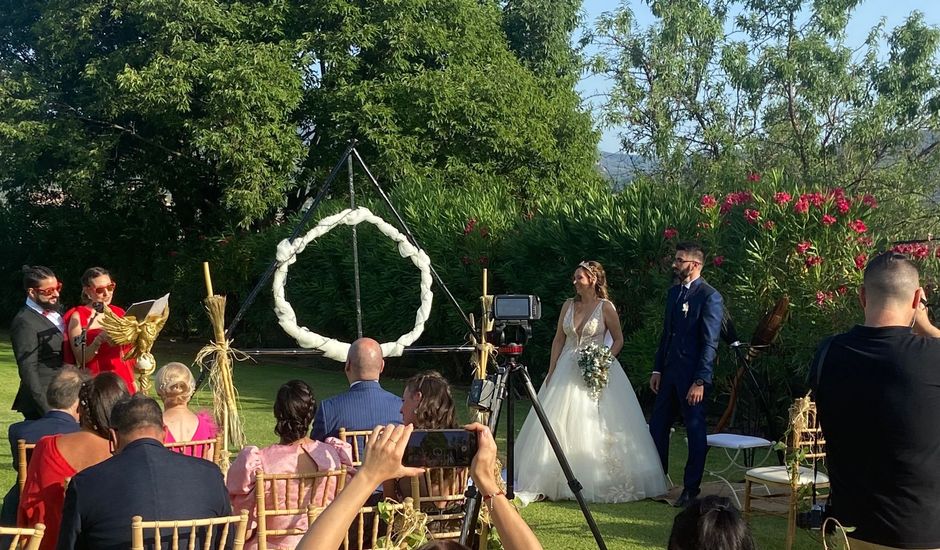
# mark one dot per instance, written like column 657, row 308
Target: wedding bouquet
column 594, row 362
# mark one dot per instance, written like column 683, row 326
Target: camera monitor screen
column 515, row 307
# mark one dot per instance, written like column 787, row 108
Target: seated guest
column 384, row 450
column 710, row 523
column 875, row 386
column 100, row 353
column 144, row 479
column 296, row 453
column 427, row 404
column 175, row 387
column 62, row 418
column 59, row 457
column 365, row 405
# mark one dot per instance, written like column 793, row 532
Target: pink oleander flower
column 801, row 206
column 870, row 201
column 753, row 177
column 769, row 224
column 708, row 202
column 858, row 226
column 718, row 260
column 816, row 199
column 782, row 197
column 837, row 193
column 751, row 215
column 921, row 251
column 813, row 261
column 828, row 220
column 471, row 223
column 937, row 252
column 842, row 290
column 865, row 241
column 484, row 261
column 802, row 247
column 860, row 261
column 822, row 297
column 843, row 204
column 670, row 233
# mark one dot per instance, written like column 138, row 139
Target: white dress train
column 607, row 442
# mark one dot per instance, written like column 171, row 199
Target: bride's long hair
column 596, row 270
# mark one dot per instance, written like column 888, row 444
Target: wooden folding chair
column 370, row 515
column 807, row 445
column 437, row 492
column 209, row 449
column 357, row 439
column 285, row 499
column 190, row 527
column 22, row 461
column 19, row 533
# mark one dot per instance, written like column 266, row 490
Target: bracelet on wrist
column 489, row 497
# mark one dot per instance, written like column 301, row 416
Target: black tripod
column 499, row 390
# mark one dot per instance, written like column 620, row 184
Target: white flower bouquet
column 594, row 362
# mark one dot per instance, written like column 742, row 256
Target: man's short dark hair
column 35, row 274
column 62, row 392
column 136, row 412
column 891, row 277
column 693, row 248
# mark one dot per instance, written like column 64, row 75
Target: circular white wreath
column 287, row 252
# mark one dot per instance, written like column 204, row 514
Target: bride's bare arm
column 559, row 342
column 612, row 321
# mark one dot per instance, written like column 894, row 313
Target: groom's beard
column 680, row 274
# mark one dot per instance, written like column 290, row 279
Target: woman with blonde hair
column 597, row 418
column 176, row 386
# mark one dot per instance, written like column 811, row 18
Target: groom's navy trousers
column 687, row 348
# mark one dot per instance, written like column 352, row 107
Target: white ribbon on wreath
column 335, row 349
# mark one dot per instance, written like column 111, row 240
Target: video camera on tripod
column 511, row 316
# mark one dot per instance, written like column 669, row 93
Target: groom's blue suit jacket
column 689, row 341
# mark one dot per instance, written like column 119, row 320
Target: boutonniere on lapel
column 685, row 309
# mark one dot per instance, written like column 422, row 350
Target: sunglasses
column 100, row 290
column 52, row 290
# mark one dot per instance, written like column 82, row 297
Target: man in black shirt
column 878, row 395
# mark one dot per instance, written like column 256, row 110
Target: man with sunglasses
column 36, row 333
column 683, row 367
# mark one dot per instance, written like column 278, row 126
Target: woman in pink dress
column 175, row 386
column 59, row 457
column 100, row 354
column 295, row 454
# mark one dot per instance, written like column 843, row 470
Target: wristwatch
column 699, row 382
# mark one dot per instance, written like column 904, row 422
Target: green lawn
column 559, row 525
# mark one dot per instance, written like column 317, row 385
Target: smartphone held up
column 440, row 448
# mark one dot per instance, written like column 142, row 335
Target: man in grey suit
column 36, row 332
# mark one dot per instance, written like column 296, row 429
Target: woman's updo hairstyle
column 435, row 411
column 294, row 408
column 96, row 398
column 175, row 384
column 595, row 270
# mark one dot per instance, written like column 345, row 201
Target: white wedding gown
column 607, row 442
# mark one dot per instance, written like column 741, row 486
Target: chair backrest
column 22, row 461
column 356, row 438
column 437, row 492
column 806, row 436
column 293, row 495
column 215, row 532
column 209, row 449
column 19, row 533
column 369, row 525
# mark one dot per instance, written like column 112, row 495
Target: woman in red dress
column 59, row 457
column 100, row 355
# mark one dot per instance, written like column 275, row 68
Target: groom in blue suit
column 683, row 368
column 365, row 404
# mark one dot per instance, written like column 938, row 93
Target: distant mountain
column 621, row 168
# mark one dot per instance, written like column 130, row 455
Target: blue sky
column 865, row 16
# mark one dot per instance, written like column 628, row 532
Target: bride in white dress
column 606, row 441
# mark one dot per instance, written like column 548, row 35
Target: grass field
column 559, row 525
